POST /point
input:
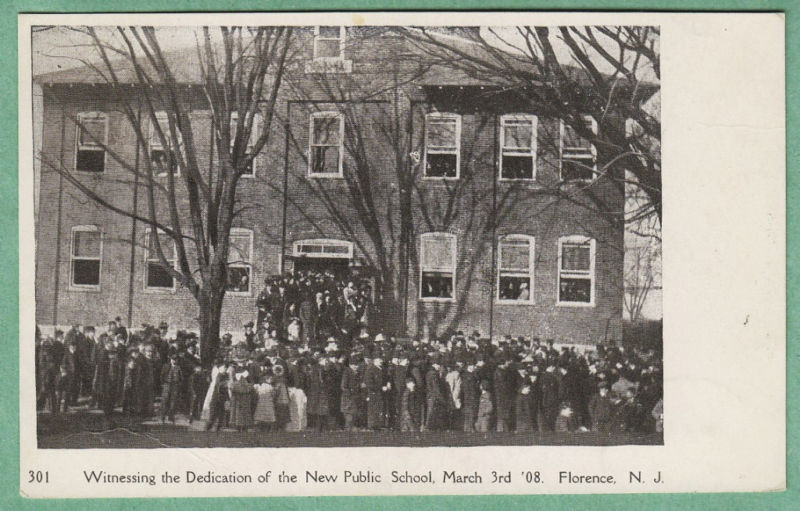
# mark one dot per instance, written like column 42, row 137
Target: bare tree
column 606, row 73
column 642, row 275
column 239, row 73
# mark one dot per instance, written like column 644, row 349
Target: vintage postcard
column 401, row 253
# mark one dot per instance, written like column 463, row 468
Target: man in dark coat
column 70, row 364
column 310, row 310
column 549, row 402
column 171, row 382
column 85, row 369
column 504, row 393
column 249, row 336
column 350, row 387
column 373, row 378
column 436, row 398
column 601, row 410
column 317, row 404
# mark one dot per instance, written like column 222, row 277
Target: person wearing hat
column 350, row 387
column 171, row 381
column 436, row 396
column 375, row 386
column 601, row 409
column 409, row 410
column 318, row 406
column 470, row 390
column 550, row 397
column 504, row 394
column 249, row 336
column 483, row 422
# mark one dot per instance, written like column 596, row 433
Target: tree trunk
column 210, row 302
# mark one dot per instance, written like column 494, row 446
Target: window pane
column 166, row 246
column 326, row 131
column 325, row 160
column 577, row 168
column 328, row 49
column 90, row 161
column 94, row 132
column 515, row 255
column 572, row 139
column 437, row 285
column 329, row 31
column 438, row 253
column 518, row 135
column 575, row 257
column 86, row 272
column 575, row 290
column 515, row 288
column 441, row 133
column 158, row 276
column 86, row 244
column 441, row 165
column 239, row 250
column 517, row 167
column 238, row 279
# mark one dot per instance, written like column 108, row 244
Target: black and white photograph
column 347, row 236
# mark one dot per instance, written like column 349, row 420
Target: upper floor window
column 86, row 254
column 326, row 144
column 515, row 269
column 518, row 147
column 249, row 171
column 157, row 277
column 162, row 157
column 442, row 146
column 239, row 261
column 329, row 42
column 437, row 266
column 576, row 270
column 578, row 154
column 92, row 135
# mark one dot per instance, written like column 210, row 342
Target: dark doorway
column 339, row 266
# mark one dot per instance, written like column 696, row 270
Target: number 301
column 38, row 476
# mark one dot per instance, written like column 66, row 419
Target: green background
column 9, row 282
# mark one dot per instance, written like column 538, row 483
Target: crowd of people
column 317, row 362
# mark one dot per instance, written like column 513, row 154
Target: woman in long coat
column 241, row 403
column 318, row 408
column 349, row 400
column 264, row 416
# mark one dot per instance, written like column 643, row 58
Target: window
column 239, row 261
column 156, row 276
column 515, row 269
column 326, row 144
column 578, row 155
column 86, row 254
column 92, row 130
column 161, row 158
column 329, row 42
column 518, row 144
column 438, row 265
column 576, row 270
column 442, row 145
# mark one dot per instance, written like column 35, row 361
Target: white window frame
column 254, row 134
column 312, row 145
column 423, row 269
column 154, row 142
column 514, row 273
column 82, row 147
column 512, row 151
column 72, row 258
column 586, row 117
column 577, row 240
column 341, row 39
column 440, row 116
column 249, row 264
column 147, row 233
